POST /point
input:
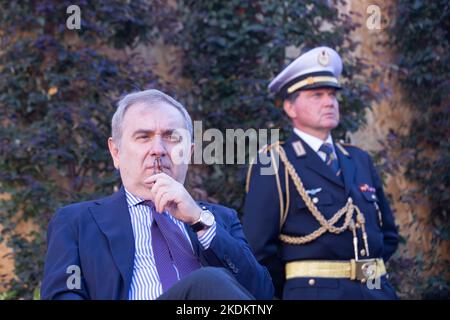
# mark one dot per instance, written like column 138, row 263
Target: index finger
column 155, row 177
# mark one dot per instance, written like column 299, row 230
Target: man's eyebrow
column 146, row 131
column 141, row 131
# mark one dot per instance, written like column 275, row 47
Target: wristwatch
column 206, row 220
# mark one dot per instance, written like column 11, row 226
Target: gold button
column 315, row 199
column 363, row 280
column 363, row 252
column 311, row 282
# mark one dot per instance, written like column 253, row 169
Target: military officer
column 320, row 221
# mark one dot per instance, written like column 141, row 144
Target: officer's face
column 315, row 111
column 150, row 132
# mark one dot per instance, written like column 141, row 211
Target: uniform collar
column 313, row 142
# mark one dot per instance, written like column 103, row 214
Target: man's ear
column 114, row 150
column 289, row 109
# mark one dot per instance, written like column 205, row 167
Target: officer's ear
column 288, row 107
column 289, row 104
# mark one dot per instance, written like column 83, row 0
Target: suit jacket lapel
column 348, row 169
column 310, row 159
column 113, row 219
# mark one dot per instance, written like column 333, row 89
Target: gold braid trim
column 280, row 191
column 286, row 210
column 249, row 175
column 266, row 148
column 283, row 210
column 326, row 225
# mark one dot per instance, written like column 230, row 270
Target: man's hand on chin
column 169, row 194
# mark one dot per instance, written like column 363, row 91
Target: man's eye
column 173, row 137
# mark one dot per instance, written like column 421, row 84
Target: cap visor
column 322, row 85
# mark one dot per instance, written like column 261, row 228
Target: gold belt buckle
column 365, row 269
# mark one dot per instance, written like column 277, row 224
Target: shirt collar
column 314, row 142
column 132, row 200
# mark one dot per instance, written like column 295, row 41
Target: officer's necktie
column 170, row 248
column 330, row 158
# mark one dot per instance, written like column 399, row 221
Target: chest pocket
column 372, row 198
column 319, row 199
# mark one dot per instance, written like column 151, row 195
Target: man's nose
column 158, row 147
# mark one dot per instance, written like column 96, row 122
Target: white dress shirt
column 145, row 282
column 315, row 143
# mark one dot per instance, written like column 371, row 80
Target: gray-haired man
column 150, row 239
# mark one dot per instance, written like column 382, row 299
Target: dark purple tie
column 330, row 159
column 170, row 248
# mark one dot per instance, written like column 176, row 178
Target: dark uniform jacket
column 359, row 181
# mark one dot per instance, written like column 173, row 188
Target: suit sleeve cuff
column 208, row 236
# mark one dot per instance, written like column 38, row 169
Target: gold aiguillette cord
column 355, row 238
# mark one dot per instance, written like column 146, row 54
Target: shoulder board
column 298, row 148
column 346, row 144
column 343, row 146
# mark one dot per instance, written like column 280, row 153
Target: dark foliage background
column 420, row 37
column 56, row 99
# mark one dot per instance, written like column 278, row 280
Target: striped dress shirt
column 145, row 282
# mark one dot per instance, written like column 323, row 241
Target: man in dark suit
column 320, row 222
column 150, row 239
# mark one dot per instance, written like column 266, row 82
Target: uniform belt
column 355, row 270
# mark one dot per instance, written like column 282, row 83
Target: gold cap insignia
column 323, row 58
column 310, row 80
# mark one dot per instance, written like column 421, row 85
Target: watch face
column 207, row 218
